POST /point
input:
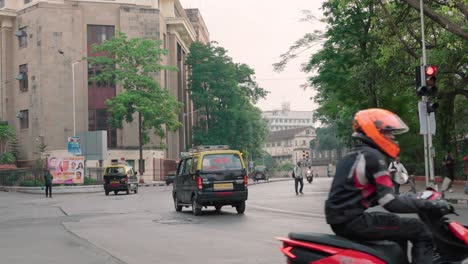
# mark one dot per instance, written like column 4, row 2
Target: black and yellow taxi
column 211, row 176
column 118, row 177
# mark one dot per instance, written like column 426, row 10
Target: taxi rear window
column 217, row 162
column 115, row 170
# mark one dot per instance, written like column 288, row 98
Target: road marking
column 275, row 210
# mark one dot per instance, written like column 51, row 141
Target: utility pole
column 429, row 152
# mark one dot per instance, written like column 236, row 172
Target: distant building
column 287, row 145
column 284, row 119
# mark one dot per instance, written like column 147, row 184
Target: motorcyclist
column 362, row 181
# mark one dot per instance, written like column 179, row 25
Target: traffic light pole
column 428, row 148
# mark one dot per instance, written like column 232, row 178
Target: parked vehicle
column 450, row 237
column 120, row 177
column 211, row 176
column 260, row 173
column 170, row 177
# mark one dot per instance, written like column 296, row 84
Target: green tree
column 326, row 139
column 134, row 64
column 14, row 149
column 6, row 134
column 370, row 49
column 225, row 92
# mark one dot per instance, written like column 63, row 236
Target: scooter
column 309, row 176
column 450, row 237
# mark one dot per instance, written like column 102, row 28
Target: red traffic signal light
column 430, row 89
column 431, row 70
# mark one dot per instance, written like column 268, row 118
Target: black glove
column 442, row 207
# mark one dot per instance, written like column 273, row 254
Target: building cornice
column 183, row 28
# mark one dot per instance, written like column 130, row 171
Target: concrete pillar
column 6, row 60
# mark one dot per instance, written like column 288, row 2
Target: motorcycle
column 450, row 240
column 309, row 176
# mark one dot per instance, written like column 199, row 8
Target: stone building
column 44, row 89
column 288, row 145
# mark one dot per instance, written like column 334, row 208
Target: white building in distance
column 285, row 119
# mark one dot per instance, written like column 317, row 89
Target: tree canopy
column 225, row 93
column 370, row 49
column 134, row 63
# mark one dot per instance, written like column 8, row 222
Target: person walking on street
column 466, row 173
column 396, row 169
column 48, row 183
column 449, row 163
column 299, row 177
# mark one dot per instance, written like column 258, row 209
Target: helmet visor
column 391, row 123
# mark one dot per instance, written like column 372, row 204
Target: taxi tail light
column 199, row 183
column 125, row 179
column 246, row 180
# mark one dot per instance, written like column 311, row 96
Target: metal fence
column 20, row 177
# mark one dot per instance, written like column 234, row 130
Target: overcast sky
column 257, row 32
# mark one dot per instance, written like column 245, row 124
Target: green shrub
column 30, row 183
column 7, row 158
column 90, row 181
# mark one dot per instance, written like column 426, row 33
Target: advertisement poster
column 67, row 170
column 74, row 145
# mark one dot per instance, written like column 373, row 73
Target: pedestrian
column 466, row 173
column 397, row 169
column 298, row 177
column 48, row 183
column 449, row 163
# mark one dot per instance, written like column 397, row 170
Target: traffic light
column 303, row 154
column 307, row 155
column 430, row 88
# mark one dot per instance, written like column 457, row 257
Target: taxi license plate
column 115, row 182
column 223, row 186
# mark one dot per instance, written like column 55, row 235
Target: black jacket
column 361, row 181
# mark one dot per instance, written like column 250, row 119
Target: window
column 23, row 116
column 27, row 2
column 2, row 3
column 221, row 162
column 22, row 35
column 99, row 33
column 23, row 78
column 194, row 165
column 303, row 142
column 97, row 120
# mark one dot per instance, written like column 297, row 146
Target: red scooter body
column 450, row 237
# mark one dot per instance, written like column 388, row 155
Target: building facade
column 284, row 119
column 45, row 92
column 288, row 145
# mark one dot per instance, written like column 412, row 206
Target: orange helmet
column 374, row 122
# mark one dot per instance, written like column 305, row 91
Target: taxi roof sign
column 208, row 147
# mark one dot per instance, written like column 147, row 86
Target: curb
column 55, row 189
column 270, row 181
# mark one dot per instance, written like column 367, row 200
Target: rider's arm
column 384, row 188
column 386, row 195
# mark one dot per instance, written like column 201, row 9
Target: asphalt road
column 144, row 227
